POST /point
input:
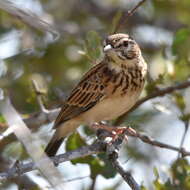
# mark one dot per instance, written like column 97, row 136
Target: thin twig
column 92, row 187
column 112, row 149
column 126, row 15
column 126, row 175
column 186, row 123
column 75, row 179
column 146, row 139
column 39, row 95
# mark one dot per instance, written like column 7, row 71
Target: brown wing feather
column 85, row 95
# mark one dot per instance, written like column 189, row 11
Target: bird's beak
column 107, row 48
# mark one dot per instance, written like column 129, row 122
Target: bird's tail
column 58, row 137
column 53, row 146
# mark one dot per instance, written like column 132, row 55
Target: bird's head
column 119, row 48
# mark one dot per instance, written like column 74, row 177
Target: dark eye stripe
column 119, row 45
column 122, row 42
column 125, row 43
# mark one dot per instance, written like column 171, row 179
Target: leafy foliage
column 13, row 151
column 2, row 120
column 181, row 49
column 97, row 165
column 179, row 178
column 181, row 41
column 60, row 63
column 92, row 45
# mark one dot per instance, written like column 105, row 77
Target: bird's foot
column 113, row 132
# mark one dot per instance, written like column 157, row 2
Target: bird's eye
column 125, row 43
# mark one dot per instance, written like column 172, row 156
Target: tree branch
column 186, row 125
column 126, row 175
column 112, row 150
column 31, row 144
column 28, row 17
column 111, row 147
column 95, row 148
column 157, row 93
column 44, row 117
column 21, row 168
column 126, row 15
column 146, row 139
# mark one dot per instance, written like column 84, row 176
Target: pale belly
column 109, row 109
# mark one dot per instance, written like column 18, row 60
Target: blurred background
column 162, row 29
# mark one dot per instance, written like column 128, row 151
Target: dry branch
column 126, row 15
column 126, row 175
column 112, row 150
column 95, row 148
column 146, row 139
column 22, row 168
column 31, row 144
column 99, row 146
column 157, row 93
column 28, row 17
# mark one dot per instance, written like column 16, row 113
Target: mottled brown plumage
column 106, row 91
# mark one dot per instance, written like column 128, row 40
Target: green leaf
column 13, row 150
column 182, row 68
column 88, row 131
column 74, row 141
column 180, row 38
column 2, row 120
column 181, row 173
column 107, row 171
column 93, row 45
column 143, row 187
column 151, row 86
column 185, row 117
column 97, row 166
column 180, row 102
column 181, row 49
column 156, row 173
column 158, row 185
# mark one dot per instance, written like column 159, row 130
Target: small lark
column 105, row 92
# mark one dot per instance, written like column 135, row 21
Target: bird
column 108, row 90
